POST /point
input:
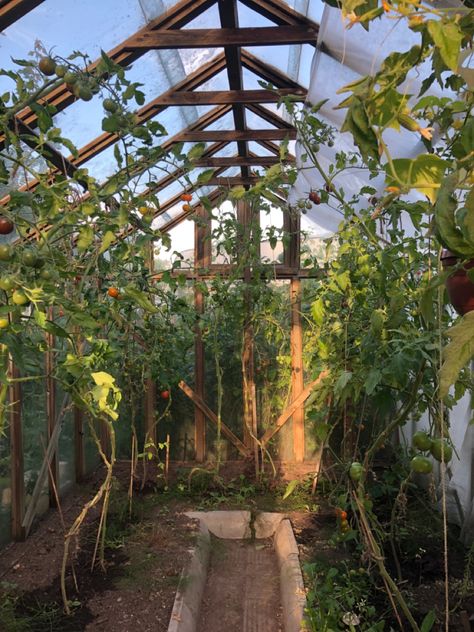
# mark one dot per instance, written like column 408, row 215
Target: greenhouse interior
column 237, row 280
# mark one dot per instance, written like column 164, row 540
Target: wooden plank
column 292, row 245
column 13, row 10
column 297, row 383
column 212, row 417
column 233, row 161
column 217, row 97
column 16, row 455
column 216, row 38
column 51, row 409
column 278, row 272
column 236, row 135
column 288, row 412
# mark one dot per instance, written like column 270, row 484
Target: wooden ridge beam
column 13, row 10
column 176, row 17
column 221, row 97
column 236, row 135
column 229, row 18
column 279, row 12
column 216, row 38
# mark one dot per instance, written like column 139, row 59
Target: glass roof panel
column 207, row 20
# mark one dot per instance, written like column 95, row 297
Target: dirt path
column 242, row 592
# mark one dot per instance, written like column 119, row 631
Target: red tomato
column 165, row 394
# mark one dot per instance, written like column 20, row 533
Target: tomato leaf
column 447, row 37
column 457, row 352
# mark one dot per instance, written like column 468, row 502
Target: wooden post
column 297, row 383
column 202, row 259
column 16, row 449
column 150, row 386
column 51, row 410
column 250, row 430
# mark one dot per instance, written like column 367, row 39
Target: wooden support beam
column 250, row 161
column 13, row 10
column 199, row 374
column 236, row 442
column 16, row 458
column 217, row 97
column 292, row 245
column 229, row 18
column 236, row 135
column 288, row 412
column 250, row 430
column 216, row 38
column 232, row 181
column 202, row 259
column 51, row 410
column 277, row 271
column 297, row 377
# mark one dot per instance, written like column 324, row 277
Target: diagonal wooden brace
column 287, row 413
column 212, row 417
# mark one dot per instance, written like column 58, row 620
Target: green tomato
column 46, row 274
column 60, row 70
column 5, row 252
column 30, row 258
column 20, row 298
column 84, row 93
column 47, row 65
column 421, row 464
column 421, row 440
column 355, row 471
column 110, row 105
column 437, row 445
column 71, row 78
column 7, row 283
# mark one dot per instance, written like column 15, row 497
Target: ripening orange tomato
column 113, row 292
column 186, row 197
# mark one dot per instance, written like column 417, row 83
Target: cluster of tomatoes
column 438, row 448
column 82, row 86
column 344, row 526
column 187, row 197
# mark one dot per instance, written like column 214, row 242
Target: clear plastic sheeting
column 343, row 56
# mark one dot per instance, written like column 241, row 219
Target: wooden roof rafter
column 13, row 10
